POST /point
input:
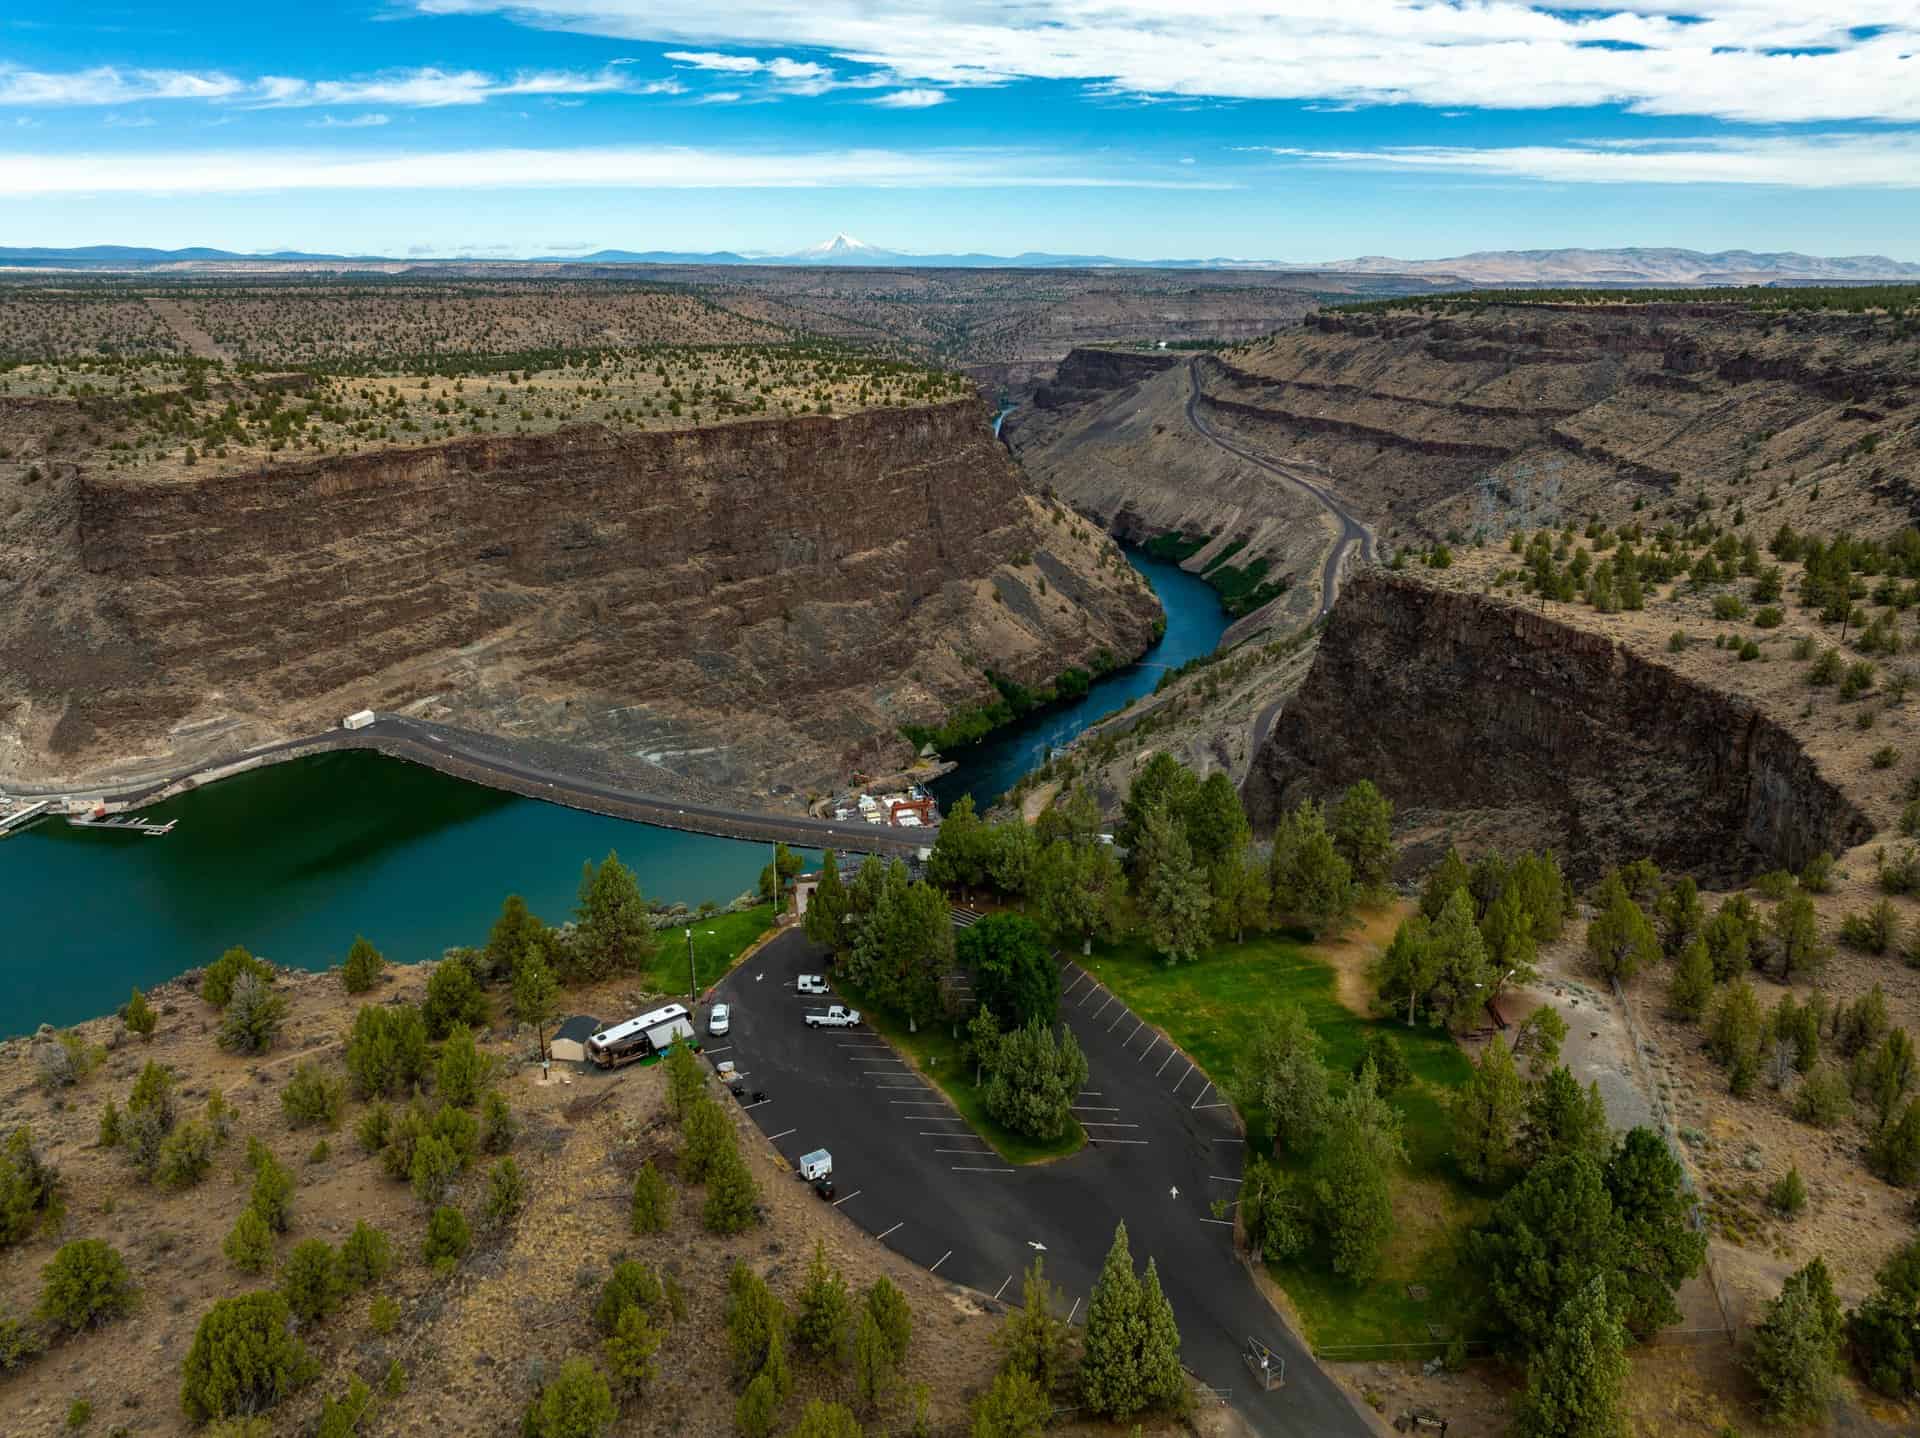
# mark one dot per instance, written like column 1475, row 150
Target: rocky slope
column 759, row 604
column 1456, row 701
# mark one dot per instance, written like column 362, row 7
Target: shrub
column 434, row 1168
column 454, row 996
column 652, row 1207
column 756, row 1321
column 458, row 1129
column 576, row 1403
column 20, row 1344
column 1816, row 876
column 1859, row 679
column 387, row 1050
column 497, row 1123
column 1729, row 607
column 1677, row 642
column 1894, row 1153
column 629, row 1350
column 464, row 1071
column 185, row 1156
column 1885, row 1330
column 86, row 1284
column 1885, row 757
column 216, row 983
column 340, row 1417
column 29, row 1188
column 1826, row 669
column 1873, row 931
column 79, row 1413
column 375, row 1128
column 366, row 1256
column 249, row 1244
column 383, row 1315
column 759, row 1407
column 630, row 1285
column 244, row 1359
column 1775, row 884
column 707, row 1139
column 403, row 1137
column 311, row 1281
column 1803, row 648
column 139, row 1016
column 1769, row 617
column 110, row 1134
column 362, row 968
column 893, row 1316
column 821, row 1326
column 1788, row 1195
column 253, row 1018
column 506, row 1195
column 65, row 1060
column 320, row 1152
column 313, row 1095
column 447, row 1239
column 272, row 1195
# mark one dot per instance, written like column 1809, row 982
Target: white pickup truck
column 839, row 1016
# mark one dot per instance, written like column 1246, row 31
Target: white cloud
column 1805, row 161
column 646, row 167
column 910, row 99
column 424, row 88
column 371, row 120
column 782, row 74
column 721, row 97
column 1746, row 60
column 708, row 60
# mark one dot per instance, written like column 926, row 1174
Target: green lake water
column 295, row 859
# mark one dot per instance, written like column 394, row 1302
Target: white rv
column 644, row 1034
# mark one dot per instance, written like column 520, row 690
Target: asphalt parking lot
column 1163, row 1145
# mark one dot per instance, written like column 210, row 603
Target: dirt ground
column 474, row 1346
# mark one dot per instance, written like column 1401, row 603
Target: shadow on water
column 1195, row 622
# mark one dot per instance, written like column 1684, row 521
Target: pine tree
column 535, row 996
column 362, row 968
column 1162, row 1379
column 1363, row 834
column 874, row 1369
column 1013, row 1407
column 611, row 930
column 1463, row 977
column 1309, row 879
column 1113, row 1383
column 1620, row 940
column 1794, row 1355
column 1448, row 875
column 1659, row 1249
column 1691, row 988
column 1486, row 1115
column 651, row 1210
column 1035, row 1339
column 825, row 1313
column 1174, row 901
column 1408, row 967
column 1288, row 1079
column 1353, row 1176
column 828, row 905
column 139, row 1016
column 629, row 1350
column 1575, row 1385
column 733, row 1198
column 1562, row 1117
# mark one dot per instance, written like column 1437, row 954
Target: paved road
column 1164, row 1145
column 482, row 759
column 1352, row 531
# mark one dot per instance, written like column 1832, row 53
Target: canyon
column 756, row 607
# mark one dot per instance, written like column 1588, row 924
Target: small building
column 569, row 1041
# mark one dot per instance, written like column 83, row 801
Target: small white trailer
column 816, row 1165
column 359, row 719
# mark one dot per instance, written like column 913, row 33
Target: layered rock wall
column 1456, row 702
column 755, row 602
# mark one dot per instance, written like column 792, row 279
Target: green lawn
column 936, row 1052
column 717, row 941
column 1211, row 1009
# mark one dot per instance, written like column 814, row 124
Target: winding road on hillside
column 1352, row 532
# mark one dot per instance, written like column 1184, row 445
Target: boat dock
column 131, row 822
column 14, row 819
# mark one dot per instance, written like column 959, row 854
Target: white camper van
column 645, row 1034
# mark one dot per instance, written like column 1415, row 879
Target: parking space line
column 1002, row 1288
column 895, row 1229
column 901, row 1062
column 757, row 1103
column 1075, row 1309
column 1138, row 1024
column 1097, row 1138
column 1221, row 1221
column 1153, row 1044
column 1172, row 1054
column 940, row 1260
column 1089, row 1093
column 1222, row 1178
column 1229, row 1140
column 1074, row 985
column 849, row 1198
column 1183, row 1079
column 1096, row 1108
column 723, row 1049
column 1202, row 1094
column 1103, row 1008
column 1091, row 992
column 912, row 1102
column 1205, row 1106
column 957, row 1168
column 1124, row 1016
column 782, row 1134
column 899, row 1086
column 976, row 1152
column 1105, row 1123
column 936, row 1133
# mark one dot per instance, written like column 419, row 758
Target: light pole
column 693, row 984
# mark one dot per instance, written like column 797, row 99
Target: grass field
column 1212, row 1008
column 718, row 940
column 937, row 1054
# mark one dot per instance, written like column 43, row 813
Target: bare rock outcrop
column 757, row 605
column 1457, row 701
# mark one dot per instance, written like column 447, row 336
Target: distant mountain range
column 1630, row 266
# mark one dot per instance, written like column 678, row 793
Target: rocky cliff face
column 756, row 605
column 1458, row 702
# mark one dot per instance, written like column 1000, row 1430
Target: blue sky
column 1297, row 130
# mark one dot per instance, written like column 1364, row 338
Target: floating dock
column 16, row 819
column 130, row 822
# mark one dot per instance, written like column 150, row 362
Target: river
column 295, row 859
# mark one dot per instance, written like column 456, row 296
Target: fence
column 1643, row 1062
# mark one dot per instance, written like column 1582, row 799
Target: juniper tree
column 1174, row 902
column 1561, row 1117
column 1576, row 1384
column 1794, row 1354
column 1288, row 1079
column 1363, row 833
column 1486, row 1116
column 1353, row 1176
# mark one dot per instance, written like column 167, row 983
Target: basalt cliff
column 755, row 606
column 1463, row 704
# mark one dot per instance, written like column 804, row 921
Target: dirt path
column 197, row 340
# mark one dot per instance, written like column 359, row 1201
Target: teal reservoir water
column 293, row 861
column 1195, row 622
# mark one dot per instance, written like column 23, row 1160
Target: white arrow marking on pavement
column 1175, row 1191
column 1039, row 1247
